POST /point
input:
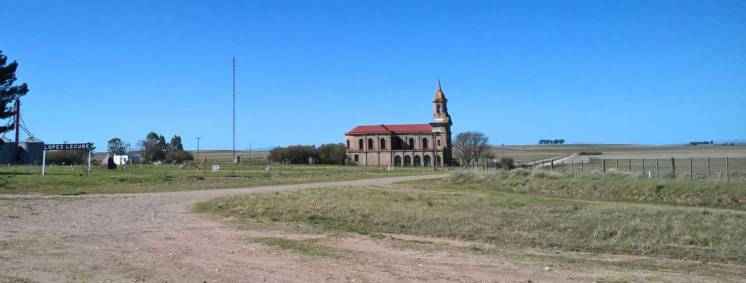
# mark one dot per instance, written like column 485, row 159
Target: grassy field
column 668, row 219
column 151, row 178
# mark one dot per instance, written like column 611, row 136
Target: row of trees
column 154, row 148
column 301, row 154
column 557, row 141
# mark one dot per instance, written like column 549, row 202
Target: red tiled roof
column 391, row 129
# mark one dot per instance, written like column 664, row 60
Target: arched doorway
column 427, row 160
column 397, row 161
column 407, row 161
column 417, row 161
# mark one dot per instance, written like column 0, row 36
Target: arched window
column 439, row 108
column 360, row 144
column 370, row 143
column 407, row 161
column 397, row 161
column 383, row 143
column 424, row 143
column 417, row 161
column 438, row 142
column 397, row 143
column 411, row 143
column 348, row 144
column 427, row 160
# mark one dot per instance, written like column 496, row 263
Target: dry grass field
column 612, row 228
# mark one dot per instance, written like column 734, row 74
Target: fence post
column 657, row 168
column 727, row 172
column 708, row 168
column 582, row 165
column 603, row 166
column 617, row 164
column 572, row 166
column 691, row 168
column 551, row 165
column 673, row 167
column 643, row 167
column 630, row 166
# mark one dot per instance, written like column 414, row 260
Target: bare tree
column 470, row 147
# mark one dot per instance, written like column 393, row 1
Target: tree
column 296, row 154
column 116, row 146
column 8, row 92
column 175, row 143
column 334, row 153
column 470, row 147
column 153, row 147
column 178, row 156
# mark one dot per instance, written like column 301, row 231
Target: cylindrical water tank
column 33, row 150
column 7, row 151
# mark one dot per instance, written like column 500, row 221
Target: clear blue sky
column 587, row 71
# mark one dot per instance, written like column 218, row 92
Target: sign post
column 43, row 161
column 66, row 146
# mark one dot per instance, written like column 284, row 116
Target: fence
column 721, row 168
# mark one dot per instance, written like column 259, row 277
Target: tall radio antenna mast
column 234, row 110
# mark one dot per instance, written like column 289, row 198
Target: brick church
column 408, row 145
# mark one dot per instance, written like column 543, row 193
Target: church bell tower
column 442, row 125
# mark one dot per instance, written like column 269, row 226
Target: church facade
column 408, row 145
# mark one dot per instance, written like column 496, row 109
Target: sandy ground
column 154, row 237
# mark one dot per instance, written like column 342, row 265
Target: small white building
column 124, row 159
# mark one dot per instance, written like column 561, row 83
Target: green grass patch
column 303, row 247
column 611, row 187
column 151, row 178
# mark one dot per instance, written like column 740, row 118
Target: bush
column 178, row 156
column 296, row 154
column 335, row 153
column 507, row 163
column 67, row 157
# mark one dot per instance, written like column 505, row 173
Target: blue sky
column 653, row 72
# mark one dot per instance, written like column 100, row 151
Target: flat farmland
column 611, row 151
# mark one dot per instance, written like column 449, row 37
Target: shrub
column 178, row 156
column 334, row 153
column 296, row 154
column 507, row 163
column 66, row 157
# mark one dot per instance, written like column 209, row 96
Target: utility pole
column 234, row 109
column 18, row 131
column 198, row 138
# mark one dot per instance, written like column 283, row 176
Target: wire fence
column 720, row 168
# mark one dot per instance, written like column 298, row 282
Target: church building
column 408, row 145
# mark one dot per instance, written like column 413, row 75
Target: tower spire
column 439, row 95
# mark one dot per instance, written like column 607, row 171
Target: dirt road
column 154, row 237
